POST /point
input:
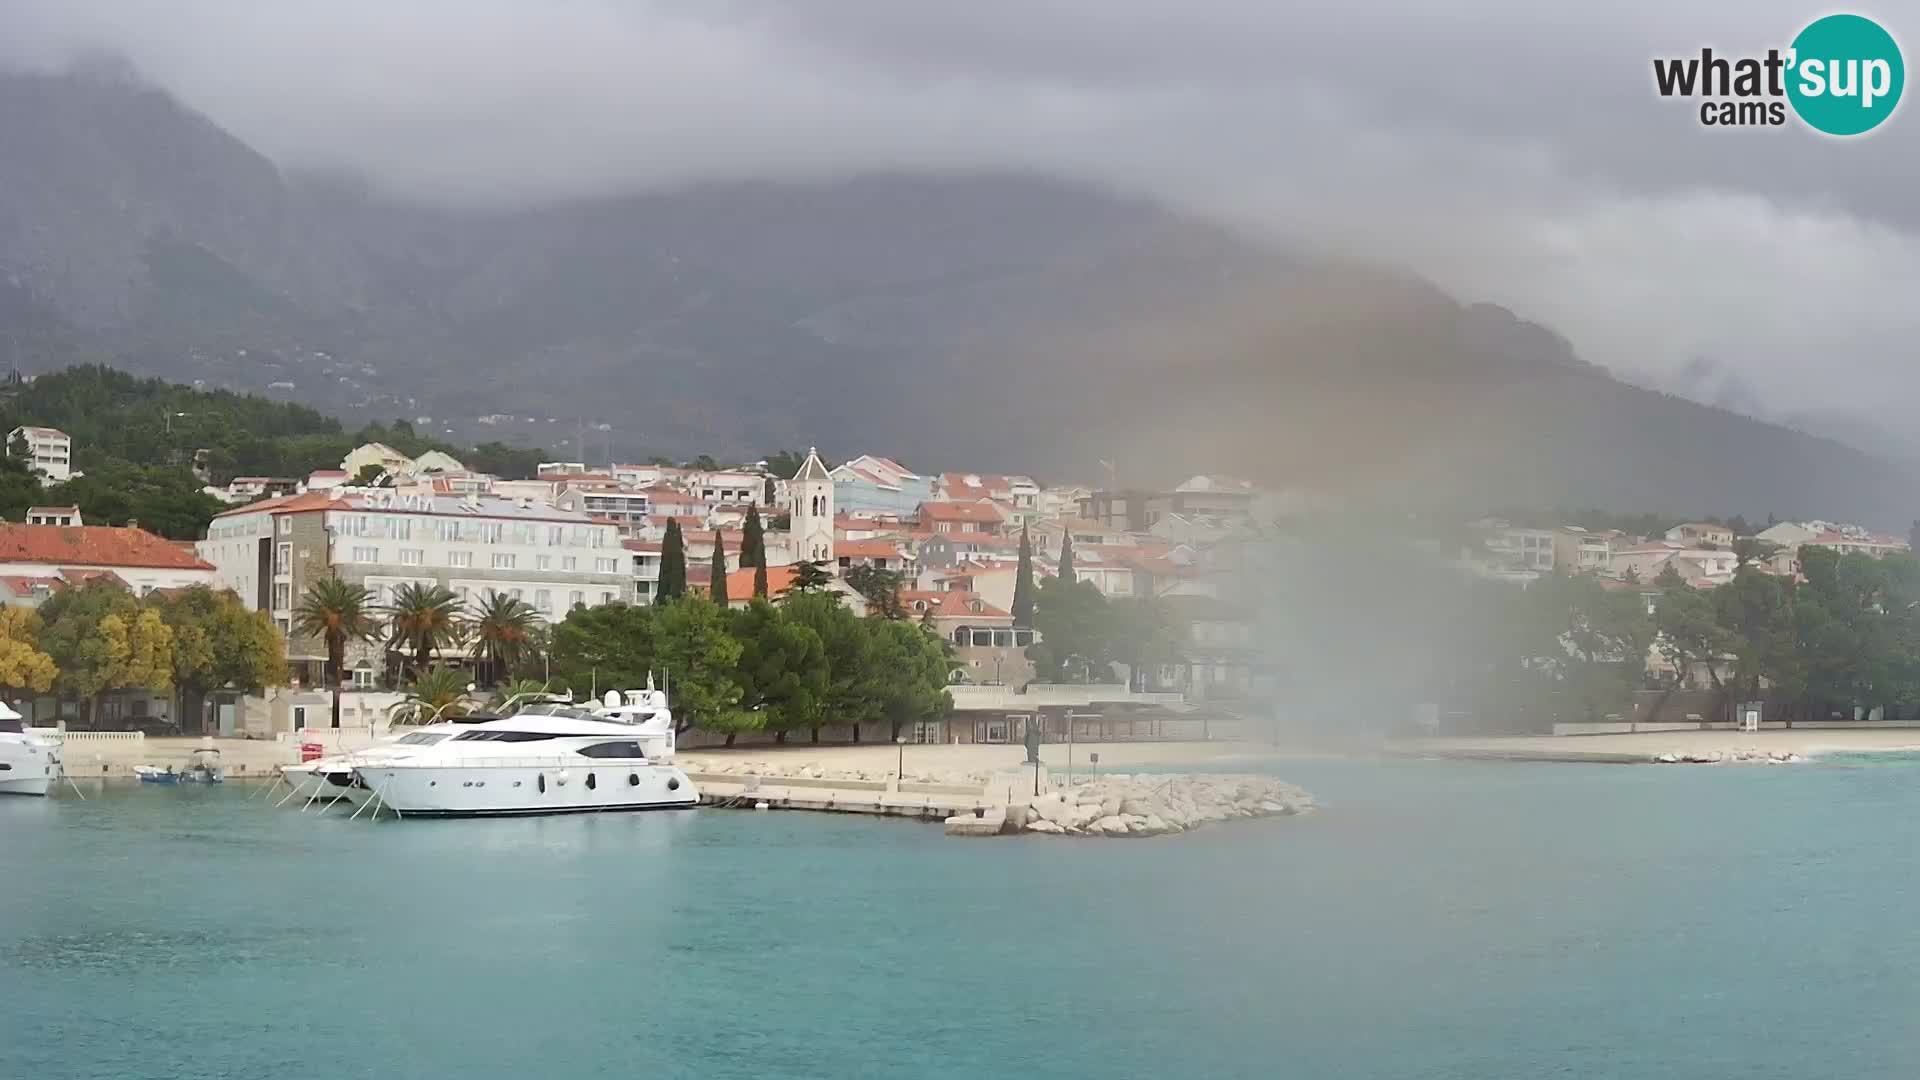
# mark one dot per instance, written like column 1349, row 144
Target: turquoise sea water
column 1454, row 920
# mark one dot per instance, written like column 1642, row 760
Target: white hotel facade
column 552, row 559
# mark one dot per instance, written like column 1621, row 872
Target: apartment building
column 50, row 451
column 552, row 559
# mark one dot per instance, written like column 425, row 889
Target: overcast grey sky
column 1513, row 150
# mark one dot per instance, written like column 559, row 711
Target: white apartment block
column 50, row 451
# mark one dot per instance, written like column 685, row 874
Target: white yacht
column 335, row 773
column 28, row 764
column 534, row 762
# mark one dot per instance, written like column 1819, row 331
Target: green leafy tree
column 1076, row 632
column 697, row 650
column 1023, row 588
column 336, row 612
column 102, row 640
column 218, row 643
column 502, row 629
column 880, row 588
column 607, row 646
column 717, row 570
column 851, row 668
column 782, row 673
column 1688, row 634
column 424, row 618
column 909, row 669
column 1595, row 644
column 811, row 578
column 1147, row 635
column 673, row 565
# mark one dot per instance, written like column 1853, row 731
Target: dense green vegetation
column 138, row 441
column 98, row 638
column 795, row 666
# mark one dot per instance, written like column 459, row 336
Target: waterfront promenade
column 91, row 757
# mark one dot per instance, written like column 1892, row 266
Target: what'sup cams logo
column 1842, row 76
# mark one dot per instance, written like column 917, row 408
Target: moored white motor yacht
column 28, row 763
column 534, row 762
column 331, row 777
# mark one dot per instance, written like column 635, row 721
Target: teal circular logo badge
column 1846, row 75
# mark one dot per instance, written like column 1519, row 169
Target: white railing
column 98, row 736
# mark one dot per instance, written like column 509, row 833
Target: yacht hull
column 524, row 790
column 27, row 768
column 25, row 785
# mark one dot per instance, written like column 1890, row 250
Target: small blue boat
column 150, row 774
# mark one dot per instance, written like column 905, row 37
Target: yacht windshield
column 423, row 738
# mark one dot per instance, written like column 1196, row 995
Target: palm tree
column 337, row 612
column 503, row 631
column 438, row 692
column 516, row 692
column 423, row 618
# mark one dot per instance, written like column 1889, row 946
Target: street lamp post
column 900, row 761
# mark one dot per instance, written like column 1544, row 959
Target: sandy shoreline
column 1649, row 746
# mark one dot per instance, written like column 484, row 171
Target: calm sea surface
column 1435, row 920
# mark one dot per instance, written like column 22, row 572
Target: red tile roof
column 93, row 545
column 867, row 549
column 949, row 604
column 779, row 580
column 965, row 512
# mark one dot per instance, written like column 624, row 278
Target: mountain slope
column 976, row 321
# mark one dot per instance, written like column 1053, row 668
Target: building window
column 366, row 554
column 543, row 562
column 556, row 535
column 576, row 598
column 503, row 561
column 542, row 598
column 283, row 558
column 412, row 556
column 459, row 558
column 363, row 678
column 606, row 566
column 282, row 596
column 569, row 564
column 285, row 525
column 607, row 597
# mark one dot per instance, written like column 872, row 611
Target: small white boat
column 28, row 763
column 526, row 764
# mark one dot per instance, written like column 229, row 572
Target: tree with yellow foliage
column 22, row 665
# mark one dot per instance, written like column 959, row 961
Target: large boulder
column 1042, row 825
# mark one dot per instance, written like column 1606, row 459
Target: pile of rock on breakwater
column 1747, row 756
column 1155, row 805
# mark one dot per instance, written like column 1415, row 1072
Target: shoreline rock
column 1120, row 805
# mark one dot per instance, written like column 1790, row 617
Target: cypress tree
column 673, row 564
column 760, row 578
column 1023, row 583
column 719, row 572
column 753, row 541
column 1066, row 557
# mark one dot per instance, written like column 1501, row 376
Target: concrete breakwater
column 1147, row 805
